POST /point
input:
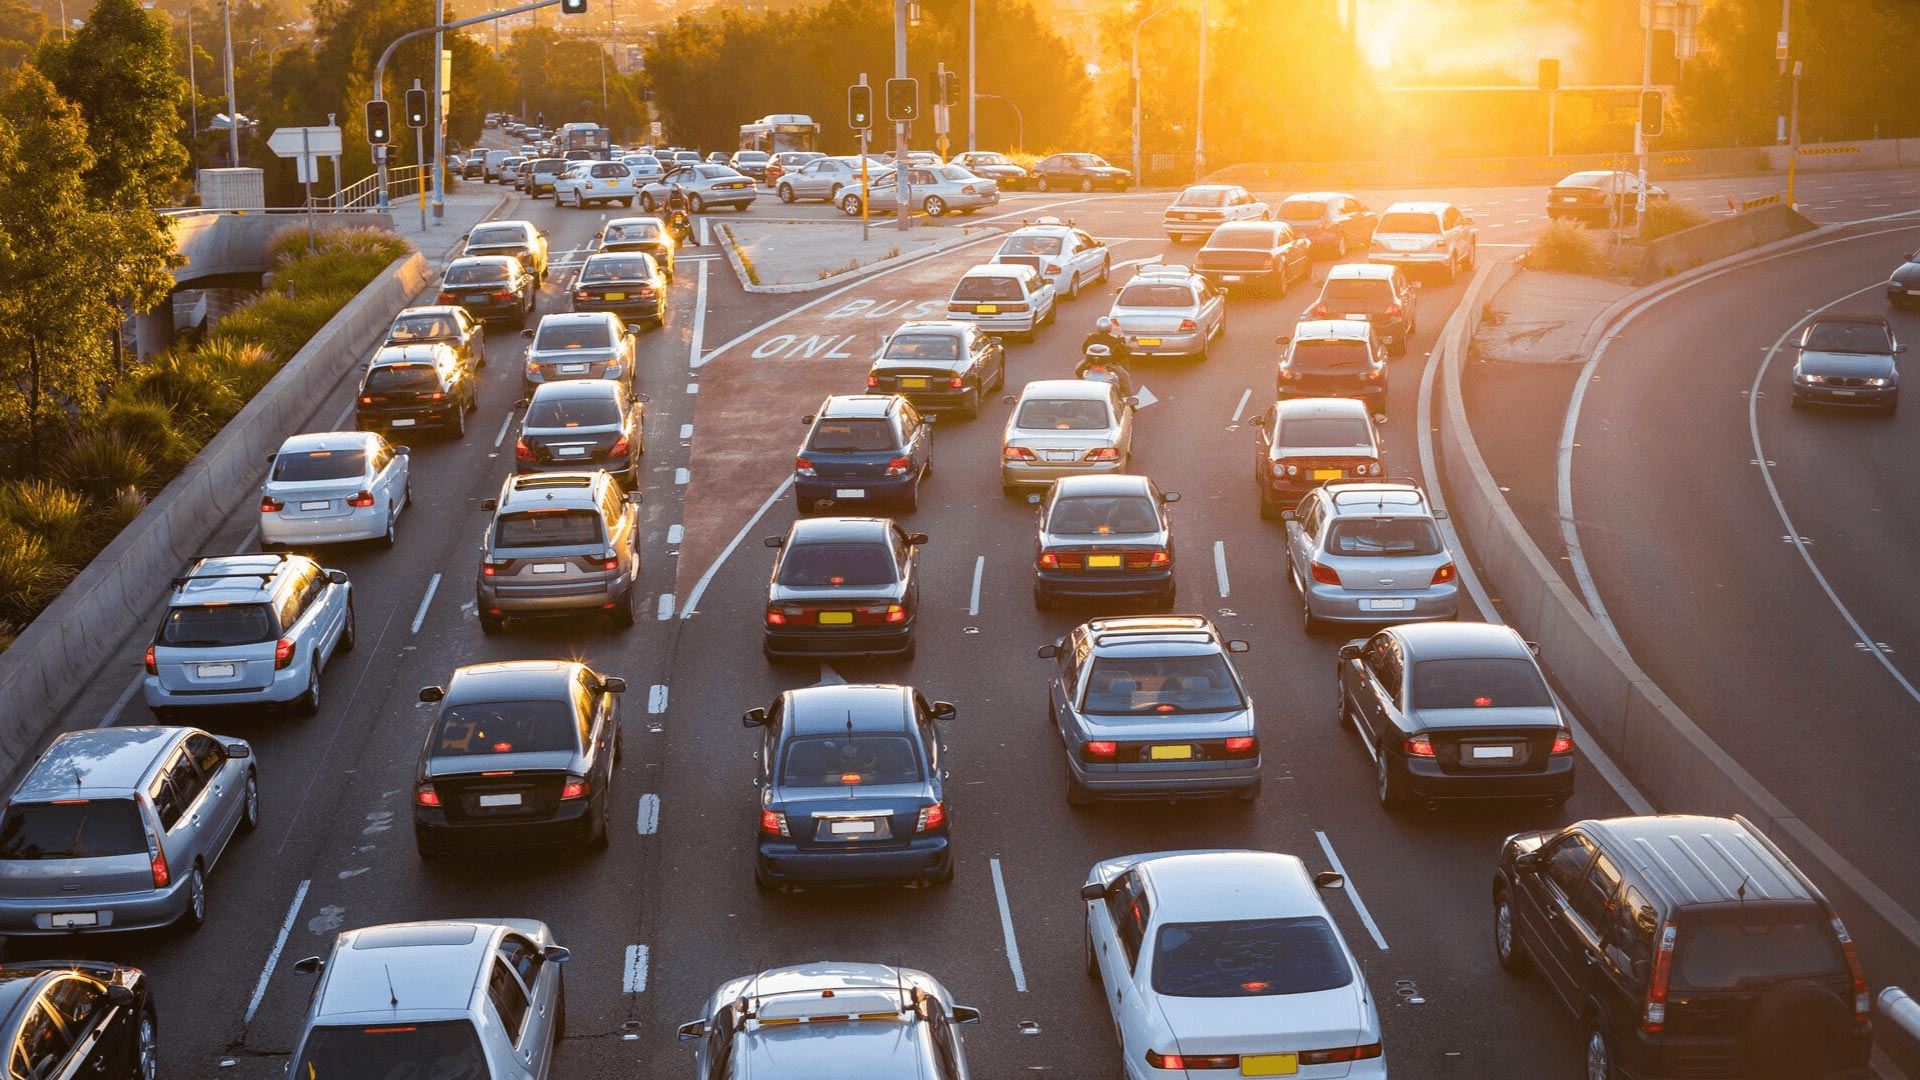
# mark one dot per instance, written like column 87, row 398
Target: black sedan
column 1333, row 220
column 1267, row 254
column 1078, row 172
column 490, row 287
column 1847, row 360
column 843, row 586
column 852, row 790
column 521, row 754
column 1903, row 285
column 1455, row 711
column 940, row 365
column 416, row 386
column 628, row 283
column 1599, row 197
column 78, row 1018
column 447, row 323
column 583, row 424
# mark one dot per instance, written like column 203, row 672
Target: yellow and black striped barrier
column 1830, row 150
column 1754, row 204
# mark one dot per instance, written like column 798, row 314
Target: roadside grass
column 1664, row 218
column 1568, row 246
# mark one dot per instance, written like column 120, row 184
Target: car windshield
column 479, row 274
column 72, row 829
column 630, row 268
column 1249, row 958
column 1317, row 431
column 1155, row 294
column 444, row 1050
column 573, row 412
column 923, row 347
column 423, row 328
column 490, row 237
column 1331, row 354
column 639, row 233
column 1103, row 515
column 1063, row 414
column 851, row 436
column 1031, row 245
column 988, row 287
column 547, row 528
column 504, row 727
column 302, row 465
column 1156, row 685
column 1753, row 946
column 1202, row 197
column 754, row 156
column 217, row 624
column 564, row 336
column 1409, row 222
column 1848, row 337
column 1478, row 683
column 846, row 760
column 954, row 172
column 842, row 563
column 1358, row 537
column 1243, row 239
column 403, row 377
column 548, row 165
column 1088, row 161
column 1302, row 210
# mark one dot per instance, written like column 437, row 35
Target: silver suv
column 248, row 630
column 559, row 543
column 1430, row 235
column 117, row 829
column 580, row 345
column 1364, row 551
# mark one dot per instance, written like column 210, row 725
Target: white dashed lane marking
column 633, row 978
column 649, row 816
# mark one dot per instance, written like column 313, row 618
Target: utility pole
column 193, row 94
column 1640, row 123
column 1793, row 134
column 1199, row 106
column 973, row 74
column 420, row 157
column 900, row 127
column 233, row 111
column 438, row 111
column 865, row 134
column 1138, row 176
column 1780, row 54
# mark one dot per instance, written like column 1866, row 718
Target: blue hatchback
column 863, row 448
column 851, row 788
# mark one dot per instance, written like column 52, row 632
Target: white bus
column 780, row 131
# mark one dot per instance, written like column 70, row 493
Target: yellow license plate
column 1327, row 474
column 623, row 296
column 986, row 309
column 1185, row 753
column 1103, row 562
column 836, row 618
column 1149, row 341
column 1269, row 1064
column 913, row 384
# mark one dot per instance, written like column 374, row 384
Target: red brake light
column 1176, row 1062
column 270, row 505
column 956, row 382
column 447, row 298
column 1324, row 574
column 1393, row 311
column 803, row 466
column 1100, row 748
column 873, row 381
column 1016, row 453
column 152, row 668
column 574, row 788
column 773, row 823
column 424, row 795
column 1319, row 310
column 361, row 499
column 1103, row 453
column 1653, row 1017
column 775, row 616
column 1443, row 575
column 931, row 818
column 503, row 295
column 896, row 613
column 610, row 564
column 1420, row 746
column 1188, row 326
column 620, row 447
column 1242, row 746
column 1160, row 559
column 582, row 294
column 1048, row 561
column 489, row 569
column 1563, row 743
column 282, row 653
column 898, row 466
column 1861, row 1001
column 161, row 876
column 1339, row 1053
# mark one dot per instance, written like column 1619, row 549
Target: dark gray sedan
column 843, row 586
column 1847, row 360
column 939, row 365
column 1103, row 536
column 583, row 424
column 628, row 283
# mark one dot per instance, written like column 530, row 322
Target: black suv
column 1687, row 946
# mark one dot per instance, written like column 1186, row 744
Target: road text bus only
column 835, row 346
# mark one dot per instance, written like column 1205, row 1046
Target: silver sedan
column 825, row 178
column 1168, row 311
column 935, row 189
column 1065, row 427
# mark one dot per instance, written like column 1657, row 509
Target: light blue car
column 935, row 189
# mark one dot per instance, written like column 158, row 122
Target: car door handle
column 195, row 818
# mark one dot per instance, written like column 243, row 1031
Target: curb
column 740, row 271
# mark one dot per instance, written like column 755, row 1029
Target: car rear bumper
column 1411, row 258
column 113, row 912
column 364, row 523
column 288, row 683
column 1168, row 780
column 1170, row 344
column 1374, row 394
column 1095, row 583
column 727, row 198
column 1722, row 1057
column 496, row 309
column 944, row 397
column 648, row 307
column 925, row 857
column 1332, row 603
column 1426, row 782
column 1044, row 473
column 441, row 415
column 996, row 324
column 854, row 641
column 876, row 487
column 1191, row 228
column 539, row 600
column 572, row 823
column 613, row 465
column 1221, row 276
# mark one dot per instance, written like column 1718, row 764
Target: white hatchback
column 1002, row 299
column 1227, row 960
column 332, row 487
column 587, row 182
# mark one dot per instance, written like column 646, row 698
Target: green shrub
column 101, row 463
column 194, row 392
column 280, row 323
column 343, row 259
column 1670, row 217
column 244, row 365
column 1569, row 246
column 30, row 576
column 41, row 507
column 119, row 512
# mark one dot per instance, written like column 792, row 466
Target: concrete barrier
column 228, row 243
column 1718, row 239
column 59, row 652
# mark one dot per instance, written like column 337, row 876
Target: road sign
column 654, row 131
column 1780, row 45
column 305, row 141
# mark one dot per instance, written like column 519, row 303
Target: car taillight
column 1243, row 746
column 873, row 381
column 1419, row 746
column 161, row 875
column 1148, row 560
column 361, row 499
column 1319, row 310
column 446, row 298
column 1653, row 1016
column 1376, row 373
column 1192, row 1061
column 1324, row 574
column 1338, row 1054
column 956, row 382
column 610, row 563
column 582, row 294
column 436, row 396
column 1017, row 453
column 773, row 823
column 1103, row 453
column 270, row 505
column 1100, row 750
column 968, row 190
column 489, row 568
column 1288, row 373
column 644, row 290
column 620, row 447
column 504, row 294
column 575, row 788
column 803, row 466
column 1048, row 561
column 366, row 399
column 424, row 795
column 152, row 667
column 1443, row 575
column 1393, row 311
column 282, row 653
column 898, row 466
column 1563, row 742
column 1188, row 326
column 1861, row 1001
column 931, row 818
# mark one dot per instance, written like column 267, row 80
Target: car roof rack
column 265, row 576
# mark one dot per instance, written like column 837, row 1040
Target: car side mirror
column 489, row 504
column 1132, row 402
column 916, row 539
column 692, row 1029
column 1465, row 220
column 1415, row 286
column 1440, row 515
column 1327, row 879
column 966, row 1014
column 1260, row 421
column 403, row 450
column 432, row 693
column 614, row 684
column 930, row 418
column 121, row 996
column 272, row 456
column 773, row 541
column 754, row 718
column 1533, row 647
column 1048, row 652
column 1034, row 499
column 1283, row 339
column 557, row 954
column 309, row 965
column 995, row 339
column 338, row 577
column 521, row 403
column 238, row 750
column 1350, row 651
column 1899, row 348
column 1169, row 496
column 1237, row 645
column 945, row 710
column 1008, row 399
column 807, row 419
column 635, row 498
column 1288, row 515
column 527, row 333
column 1093, row 890
column 1527, row 860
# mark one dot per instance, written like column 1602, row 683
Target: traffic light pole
column 900, row 127
column 1640, row 127
column 865, row 132
column 1793, row 134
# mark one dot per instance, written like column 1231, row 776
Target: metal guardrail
column 1897, row 1028
column 364, row 194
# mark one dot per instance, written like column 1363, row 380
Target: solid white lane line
column 1353, row 894
column 681, row 476
column 279, row 943
column 112, row 715
column 700, row 587
column 686, row 431
column 705, row 236
column 649, row 814
column 973, row 598
column 1006, row 928
column 1220, row 565
column 340, row 423
column 676, row 533
column 699, row 336
column 505, row 423
column 1245, row 396
column 666, row 607
column 633, row 978
column 657, row 698
column 420, row 616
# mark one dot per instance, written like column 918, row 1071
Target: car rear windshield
column 1031, row 245
column 1589, row 180
column 1063, row 414
column 1848, row 337
column 1156, row 685
column 1331, row 354
column 846, row 760
column 1247, row 239
column 1406, row 222
column 628, row 268
column 1202, row 197
column 988, row 287
column 79, row 829
column 504, row 727
column 1478, row 683
column 1302, row 210
column 840, row 563
column 564, row 336
column 403, row 377
column 851, row 436
column 1249, row 958
column 549, row 165
column 1361, row 537
column 1752, row 947
column 923, row 347
column 988, row 159
column 547, row 528
column 490, row 237
column 487, row 274
column 1156, row 294
column 1103, row 515
column 422, row 328
column 714, row 172
column 1343, row 290
column 573, row 412
column 449, row 1048
column 633, row 234
column 1316, row 431
column 217, row 624
column 302, row 465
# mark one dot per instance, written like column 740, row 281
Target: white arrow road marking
column 1143, row 398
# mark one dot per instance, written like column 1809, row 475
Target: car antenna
column 1741, row 892
column 393, row 999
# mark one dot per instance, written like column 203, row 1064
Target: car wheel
column 1040, row 184
column 459, row 423
column 804, row 504
column 1506, row 938
column 308, row 703
column 1086, row 184
column 1452, row 272
column 1166, row 600
column 146, row 1062
column 1086, row 950
column 786, row 193
column 1073, row 286
column 1308, row 620
column 426, row 848
column 1077, row 795
column 647, row 203
column 1041, row 601
column 1599, row 1054
column 602, row 835
column 622, row 614
column 1793, row 402
column 627, row 202
column 1247, row 798
column 388, row 538
column 560, row 1011
column 250, row 808
column 1892, row 408
column 1340, row 714
column 195, row 915
column 970, row 408
column 492, row 624
column 911, row 501
column 347, row 632
column 1269, row 510
column 907, row 654
column 164, row 715
column 935, row 206
column 1387, row 786
column 850, row 206
column 761, row 881
column 696, row 204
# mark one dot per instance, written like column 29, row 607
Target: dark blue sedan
column 863, row 448
column 851, row 788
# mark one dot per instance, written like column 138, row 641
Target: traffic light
column 860, row 107
column 1652, row 112
column 1549, row 74
column 416, row 108
column 950, row 88
column 646, row 93
column 573, row 7
column 903, row 100
column 379, row 124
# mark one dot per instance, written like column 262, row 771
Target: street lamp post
column 1138, row 176
column 438, row 111
column 193, row 95
column 233, row 111
column 1199, row 106
column 900, row 127
column 973, row 74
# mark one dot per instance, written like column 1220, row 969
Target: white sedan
column 587, row 182
column 1203, row 207
column 334, row 486
column 1227, row 960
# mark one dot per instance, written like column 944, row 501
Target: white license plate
column 500, row 800
column 403, row 422
column 316, row 504
column 849, row 493
column 1492, row 753
column 1229, row 277
column 572, row 369
column 478, row 298
column 570, row 451
column 1389, row 605
column 69, row 919
column 1570, row 198
column 216, row 671
column 1844, row 393
column 549, row 568
column 854, row 828
column 1061, row 455
column 1913, row 292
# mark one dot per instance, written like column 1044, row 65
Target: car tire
column 308, row 703
column 392, row 535
column 1388, row 788
column 250, row 805
column 1507, row 947
column 1086, row 184
column 1599, row 1057
column 560, row 1010
column 647, row 203
column 1269, row 510
column 426, row 848
column 1007, row 489
column 1041, row 601
column 459, row 428
column 1077, row 795
column 1246, row 799
column 850, row 206
column 1073, row 286
column 911, row 500
column 804, row 504
column 146, row 1047
column 1091, row 962
column 164, row 715
column 1452, row 272
column 935, row 206
column 602, row 834
column 1340, row 249
column 493, row 624
column 1794, row 402
column 760, row 879
column 1040, row 183
column 1341, row 715
column 194, row 915
column 347, row 632
column 1167, row 600
column 1309, row 622
column 627, row 202
column 622, row 614
column 786, row 193
column 970, row 406
column 1106, row 269
column 1892, row 409
column 696, row 204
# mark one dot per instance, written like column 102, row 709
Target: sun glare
column 1422, row 38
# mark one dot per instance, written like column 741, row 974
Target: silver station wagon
column 1370, row 552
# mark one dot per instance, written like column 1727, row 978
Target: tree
column 118, row 69
column 21, row 28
